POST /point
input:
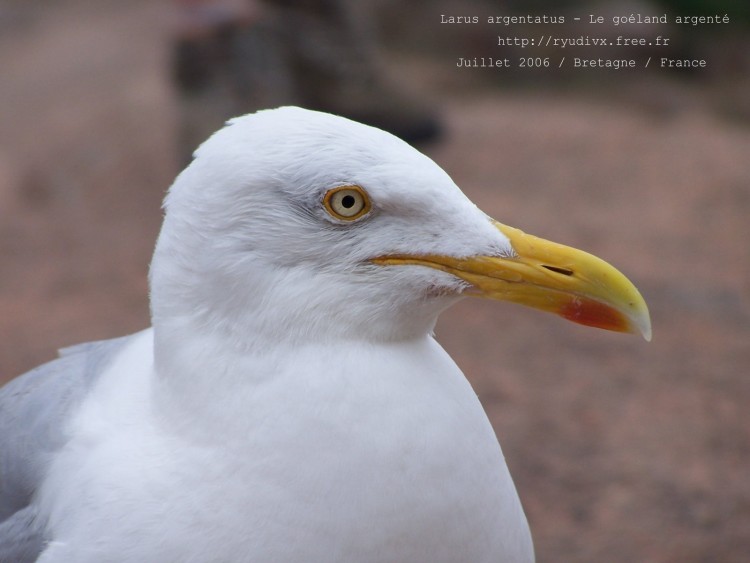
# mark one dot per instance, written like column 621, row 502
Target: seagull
column 290, row 402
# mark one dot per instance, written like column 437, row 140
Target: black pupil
column 348, row 201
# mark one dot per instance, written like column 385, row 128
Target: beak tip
column 640, row 322
column 645, row 330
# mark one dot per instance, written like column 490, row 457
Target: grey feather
column 33, row 410
column 21, row 540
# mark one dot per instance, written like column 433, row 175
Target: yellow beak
column 548, row 276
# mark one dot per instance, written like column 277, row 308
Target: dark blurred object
column 319, row 54
column 333, row 55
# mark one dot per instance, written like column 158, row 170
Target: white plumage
column 289, row 403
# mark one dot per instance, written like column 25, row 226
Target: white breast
column 366, row 453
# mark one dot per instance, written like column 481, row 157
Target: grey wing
column 33, row 409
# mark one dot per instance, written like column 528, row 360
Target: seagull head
column 295, row 226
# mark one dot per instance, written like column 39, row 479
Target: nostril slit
column 563, row 271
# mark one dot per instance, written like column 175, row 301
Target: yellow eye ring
column 347, row 203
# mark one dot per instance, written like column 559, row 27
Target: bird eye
column 347, row 203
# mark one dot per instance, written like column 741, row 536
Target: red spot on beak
column 593, row 313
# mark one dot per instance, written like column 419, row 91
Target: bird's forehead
column 305, row 153
column 303, row 139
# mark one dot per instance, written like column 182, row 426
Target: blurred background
column 621, row 450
